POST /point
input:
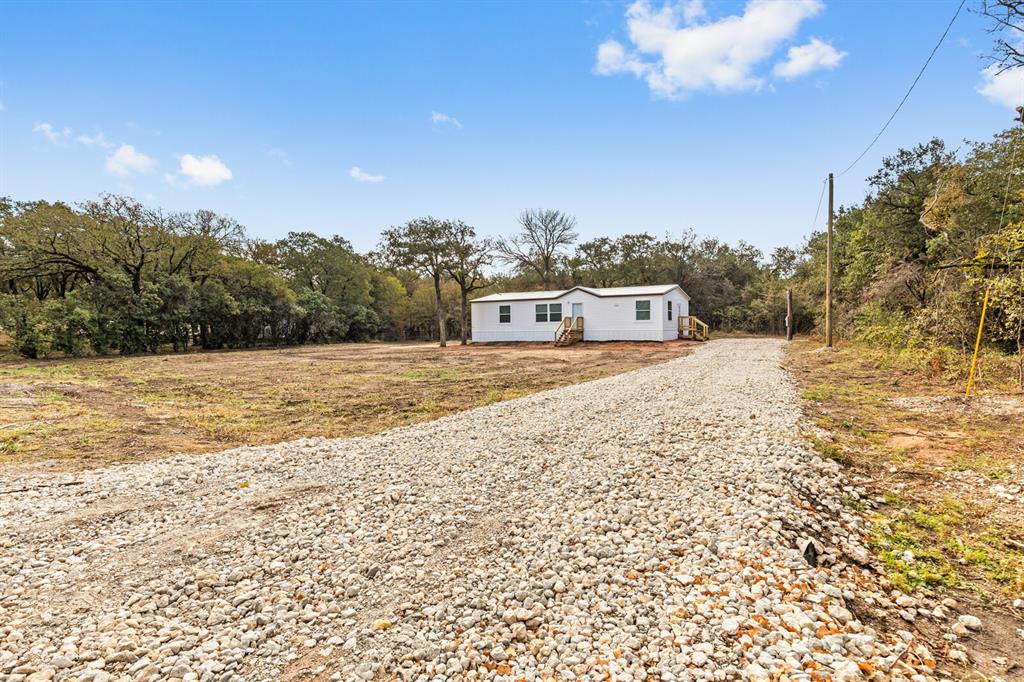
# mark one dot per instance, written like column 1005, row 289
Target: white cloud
column 126, row 160
column 204, row 171
column 612, row 58
column 693, row 10
column 441, row 119
column 803, row 59
column 50, row 133
column 279, row 154
column 359, row 175
column 674, row 55
column 1006, row 88
column 97, row 140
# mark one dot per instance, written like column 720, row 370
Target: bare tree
column 421, row 245
column 540, row 243
column 468, row 257
column 1008, row 20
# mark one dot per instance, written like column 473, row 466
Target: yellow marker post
column 977, row 342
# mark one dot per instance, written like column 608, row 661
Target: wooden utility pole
column 828, row 270
column 789, row 314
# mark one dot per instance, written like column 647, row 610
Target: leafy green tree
column 424, row 246
column 468, row 257
column 390, row 303
column 597, row 263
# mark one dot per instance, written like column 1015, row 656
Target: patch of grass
column 818, row 392
column 829, row 450
column 984, row 464
column 494, row 395
column 8, row 446
column 851, row 503
column 158, row 397
column 431, row 373
column 904, row 543
column 52, row 397
column 227, row 424
column 935, row 548
column 41, row 371
column 429, row 406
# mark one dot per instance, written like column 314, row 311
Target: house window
column 643, row 310
column 670, row 311
column 548, row 312
column 504, row 314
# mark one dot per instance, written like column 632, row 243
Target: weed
column 494, row 395
column 818, row 393
column 829, row 450
column 851, row 503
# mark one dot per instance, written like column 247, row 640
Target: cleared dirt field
column 83, row 413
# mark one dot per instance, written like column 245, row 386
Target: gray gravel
column 644, row 526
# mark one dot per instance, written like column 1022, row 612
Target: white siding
column 680, row 306
column 610, row 318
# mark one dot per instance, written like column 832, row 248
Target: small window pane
column 670, row 311
column 643, row 310
column 504, row 314
column 541, row 312
column 555, row 312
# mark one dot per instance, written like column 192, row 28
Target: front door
column 577, row 310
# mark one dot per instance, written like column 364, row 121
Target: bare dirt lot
column 83, row 413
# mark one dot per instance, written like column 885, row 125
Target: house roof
column 653, row 290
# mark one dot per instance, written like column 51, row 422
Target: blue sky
column 321, row 117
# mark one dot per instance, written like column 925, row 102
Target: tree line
column 115, row 276
column 937, row 229
column 914, row 260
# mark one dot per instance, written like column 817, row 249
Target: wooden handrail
column 569, row 325
column 693, row 327
column 562, row 328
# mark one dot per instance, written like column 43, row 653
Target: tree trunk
column 465, row 304
column 440, row 311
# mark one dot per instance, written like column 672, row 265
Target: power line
column 909, row 90
column 818, row 210
column 1009, row 170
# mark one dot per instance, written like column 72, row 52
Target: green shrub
column 69, row 326
column 878, row 326
column 30, row 335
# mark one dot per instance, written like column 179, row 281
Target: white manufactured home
column 649, row 313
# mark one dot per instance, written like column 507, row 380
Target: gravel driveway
column 643, row 526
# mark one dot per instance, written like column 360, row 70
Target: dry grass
column 942, row 469
column 73, row 414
